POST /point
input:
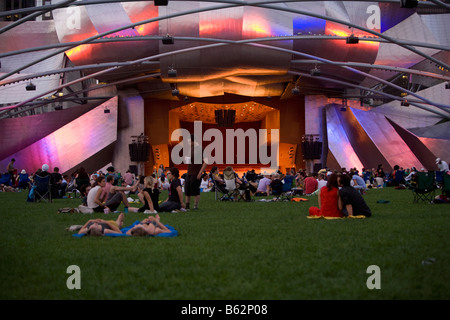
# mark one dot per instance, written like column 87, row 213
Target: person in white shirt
column 442, row 165
column 321, row 181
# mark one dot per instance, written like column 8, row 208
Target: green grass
column 230, row 251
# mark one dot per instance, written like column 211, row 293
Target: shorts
column 114, row 201
column 192, row 186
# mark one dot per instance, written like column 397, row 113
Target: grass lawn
column 225, row 250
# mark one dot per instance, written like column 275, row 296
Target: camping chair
column 233, row 190
column 24, row 181
column 220, row 194
column 75, row 187
column 446, row 183
column 440, row 178
column 42, row 190
column 426, row 186
column 286, row 193
column 399, row 178
column 5, row 179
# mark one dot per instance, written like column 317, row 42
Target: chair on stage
column 42, row 189
column 425, row 188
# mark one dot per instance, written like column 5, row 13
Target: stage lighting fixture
column 172, row 73
column 315, row 72
column 167, row 40
column 30, row 87
column 404, row 104
column 106, row 110
column 408, row 3
column 161, row 2
column 295, row 90
column 447, row 85
column 58, row 107
column 352, row 39
column 175, row 92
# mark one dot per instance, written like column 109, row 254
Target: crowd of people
column 340, row 192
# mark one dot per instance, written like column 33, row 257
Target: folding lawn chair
column 446, row 183
column 220, row 193
column 42, row 190
column 233, row 190
column 5, row 179
column 425, row 188
column 439, row 178
column 286, row 193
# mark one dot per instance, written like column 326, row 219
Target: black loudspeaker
column 133, row 169
column 139, row 151
column 312, row 150
column 317, row 167
column 225, row 118
column 408, row 3
column 161, row 2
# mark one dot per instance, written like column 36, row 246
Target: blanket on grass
column 173, row 232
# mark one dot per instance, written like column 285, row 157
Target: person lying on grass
column 150, row 226
column 100, row 227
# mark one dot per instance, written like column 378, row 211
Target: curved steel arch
column 40, row 12
column 441, row 106
column 230, row 4
column 416, row 104
column 255, row 40
column 445, row 108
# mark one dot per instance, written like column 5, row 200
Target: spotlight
column 408, row 3
column 352, row 39
column 161, row 2
column 404, row 104
column 343, row 109
column 172, row 73
column 315, row 72
column 58, row 107
column 447, row 85
column 167, row 40
column 30, row 87
column 106, row 110
column 175, row 92
column 295, row 90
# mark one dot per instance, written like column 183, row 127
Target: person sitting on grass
column 263, row 188
column 174, row 202
column 115, row 194
column 276, row 185
column 328, row 199
column 150, row 196
column 100, row 227
column 150, row 226
column 351, row 201
column 93, row 198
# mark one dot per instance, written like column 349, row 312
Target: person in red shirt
column 310, row 184
column 328, row 201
